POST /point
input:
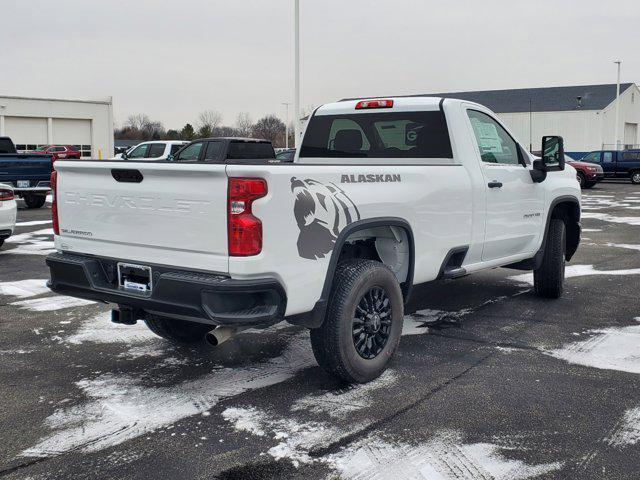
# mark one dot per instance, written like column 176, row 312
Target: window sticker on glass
column 487, row 136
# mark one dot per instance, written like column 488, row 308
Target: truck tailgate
column 161, row 213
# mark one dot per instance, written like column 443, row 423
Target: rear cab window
column 156, row 150
column 239, row 150
column 378, row 135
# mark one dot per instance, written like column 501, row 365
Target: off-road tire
column 548, row 280
column 176, row 330
column 582, row 180
column 34, row 201
column 635, row 177
column 333, row 343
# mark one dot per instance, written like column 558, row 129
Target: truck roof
column 400, row 104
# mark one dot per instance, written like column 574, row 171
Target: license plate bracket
column 135, row 278
column 23, row 183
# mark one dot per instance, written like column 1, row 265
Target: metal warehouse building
column 584, row 115
column 31, row 122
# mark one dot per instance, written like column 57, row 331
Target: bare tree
column 270, row 128
column 137, row 121
column 208, row 122
column 244, row 124
column 141, row 127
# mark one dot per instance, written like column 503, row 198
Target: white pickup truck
column 383, row 194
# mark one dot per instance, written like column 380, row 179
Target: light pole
column 286, row 125
column 296, row 99
column 617, row 105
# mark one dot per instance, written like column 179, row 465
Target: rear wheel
column 363, row 324
column 35, row 201
column 548, row 280
column 635, row 177
column 582, row 180
column 176, row 330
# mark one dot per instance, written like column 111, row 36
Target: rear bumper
column 209, row 298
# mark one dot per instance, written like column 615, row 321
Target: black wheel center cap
column 374, row 322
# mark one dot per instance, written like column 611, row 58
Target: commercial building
column 584, row 115
column 31, row 122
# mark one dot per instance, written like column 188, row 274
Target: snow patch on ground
column 24, row 288
column 50, row 304
column 39, row 242
column 627, row 431
column 623, row 245
column 100, row 329
column 33, row 223
column 443, row 457
column 609, row 349
column 605, row 217
column 340, row 403
column 591, row 230
column 119, row 408
column 295, row 438
column 577, row 271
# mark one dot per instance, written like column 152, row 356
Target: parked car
column 152, row 151
column 286, row 155
column 8, row 210
column 226, row 149
column 58, row 151
column 587, row 174
column 28, row 173
column 617, row 163
column 377, row 201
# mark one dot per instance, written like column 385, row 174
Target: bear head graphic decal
column 321, row 212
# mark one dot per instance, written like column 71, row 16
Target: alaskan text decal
column 321, row 212
column 370, row 178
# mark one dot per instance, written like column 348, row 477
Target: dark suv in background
column 617, row 163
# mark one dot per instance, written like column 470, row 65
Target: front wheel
column 582, row 180
column 363, row 324
column 635, row 178
column 548, row 280
column 176, row 330
column 35, row 201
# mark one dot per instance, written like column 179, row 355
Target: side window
column 494, row 143
column 347, row 136
column 139, row 152
column 607, row 157
column 213, row 151
column 593, row 157
column 191, row 153
column 175, row 148
column 156, row 150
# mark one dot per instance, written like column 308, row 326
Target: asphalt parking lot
column 489, row 381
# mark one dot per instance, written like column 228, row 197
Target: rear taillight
column 6, row 195
column 54, row 205
column 365, row 104
column 244, row 229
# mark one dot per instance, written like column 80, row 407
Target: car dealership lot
column 489, row 381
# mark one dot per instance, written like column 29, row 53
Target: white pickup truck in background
column 383, row 194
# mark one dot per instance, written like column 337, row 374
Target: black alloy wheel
column 372, row 323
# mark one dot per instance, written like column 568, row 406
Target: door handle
column 495, row 184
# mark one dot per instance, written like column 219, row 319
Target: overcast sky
column 174, row 59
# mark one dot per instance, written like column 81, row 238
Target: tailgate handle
column 127, row 176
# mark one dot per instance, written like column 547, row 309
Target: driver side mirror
column 124, row 155
column 170, row 157
column 553, row 153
